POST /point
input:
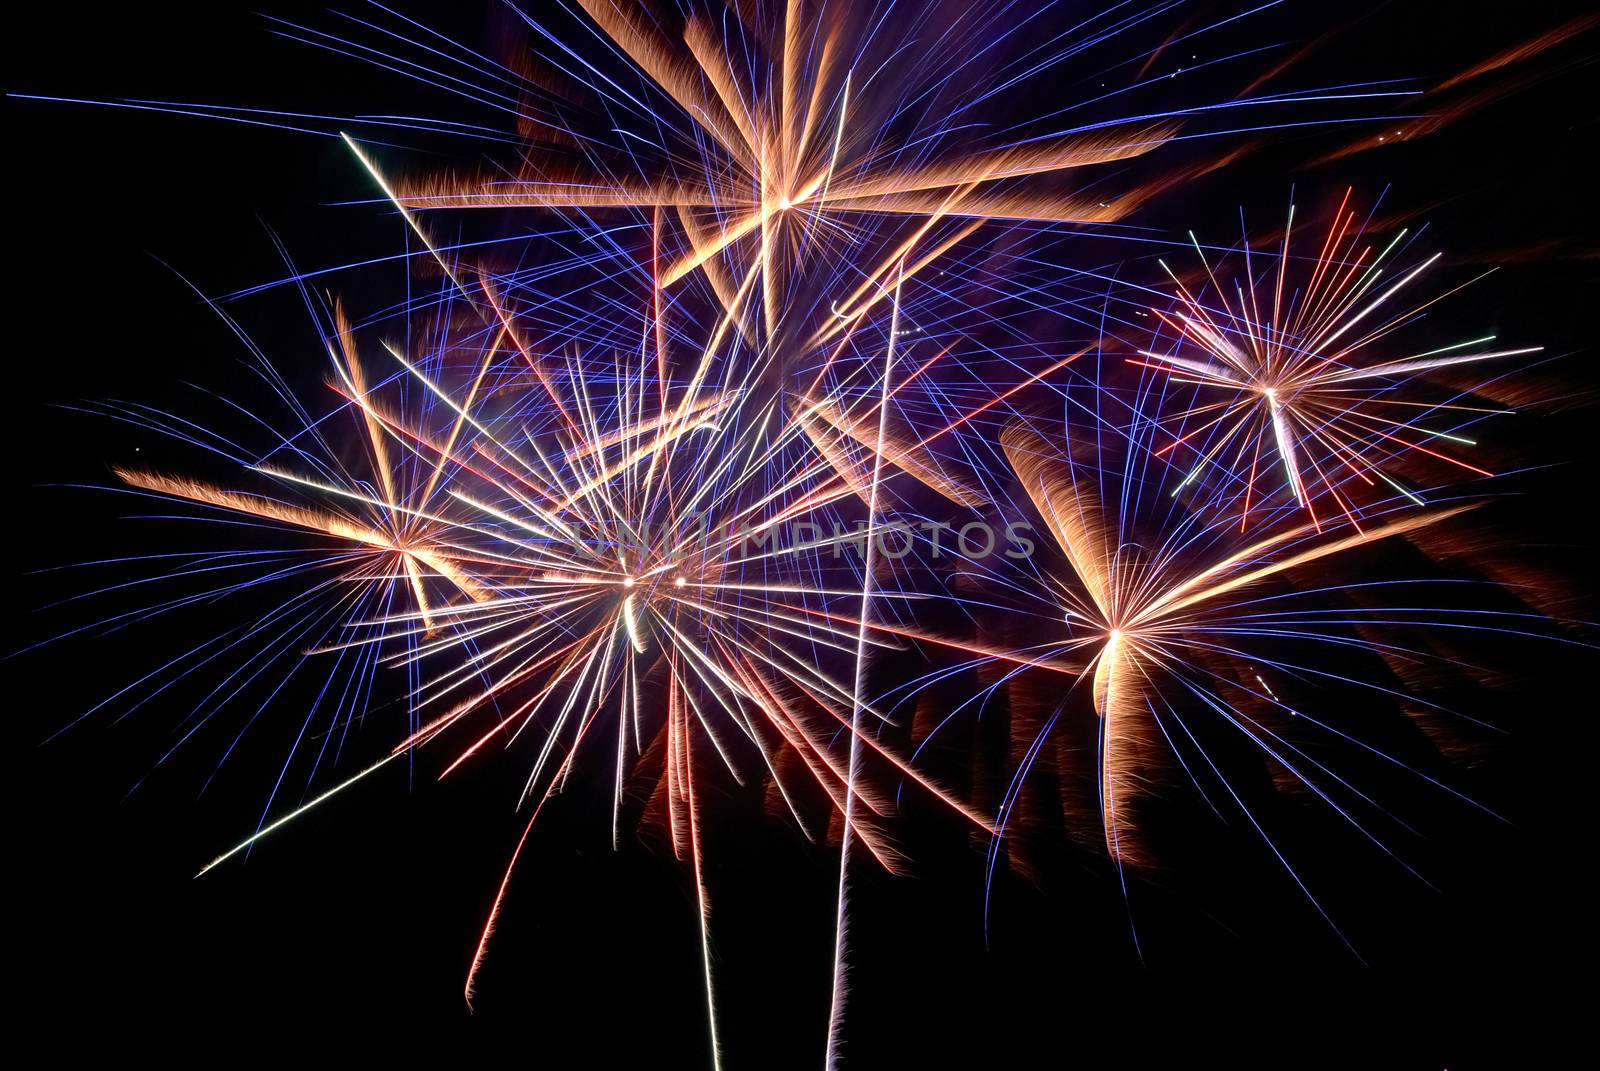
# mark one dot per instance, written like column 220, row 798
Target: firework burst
column 1176, row 626
column 631, row 551
column 1304, row 351
column 796, row 269
column 774, row 157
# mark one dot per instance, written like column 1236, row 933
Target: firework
column 1304, row 352
column 1167, row 617
column 611, row 499
column 774, row 160
column 621, row 549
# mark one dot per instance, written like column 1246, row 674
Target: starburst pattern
column 1314, row 391
column 616, row 489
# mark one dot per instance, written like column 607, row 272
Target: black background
column 361, row 923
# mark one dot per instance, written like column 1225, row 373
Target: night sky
column 361, row 921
